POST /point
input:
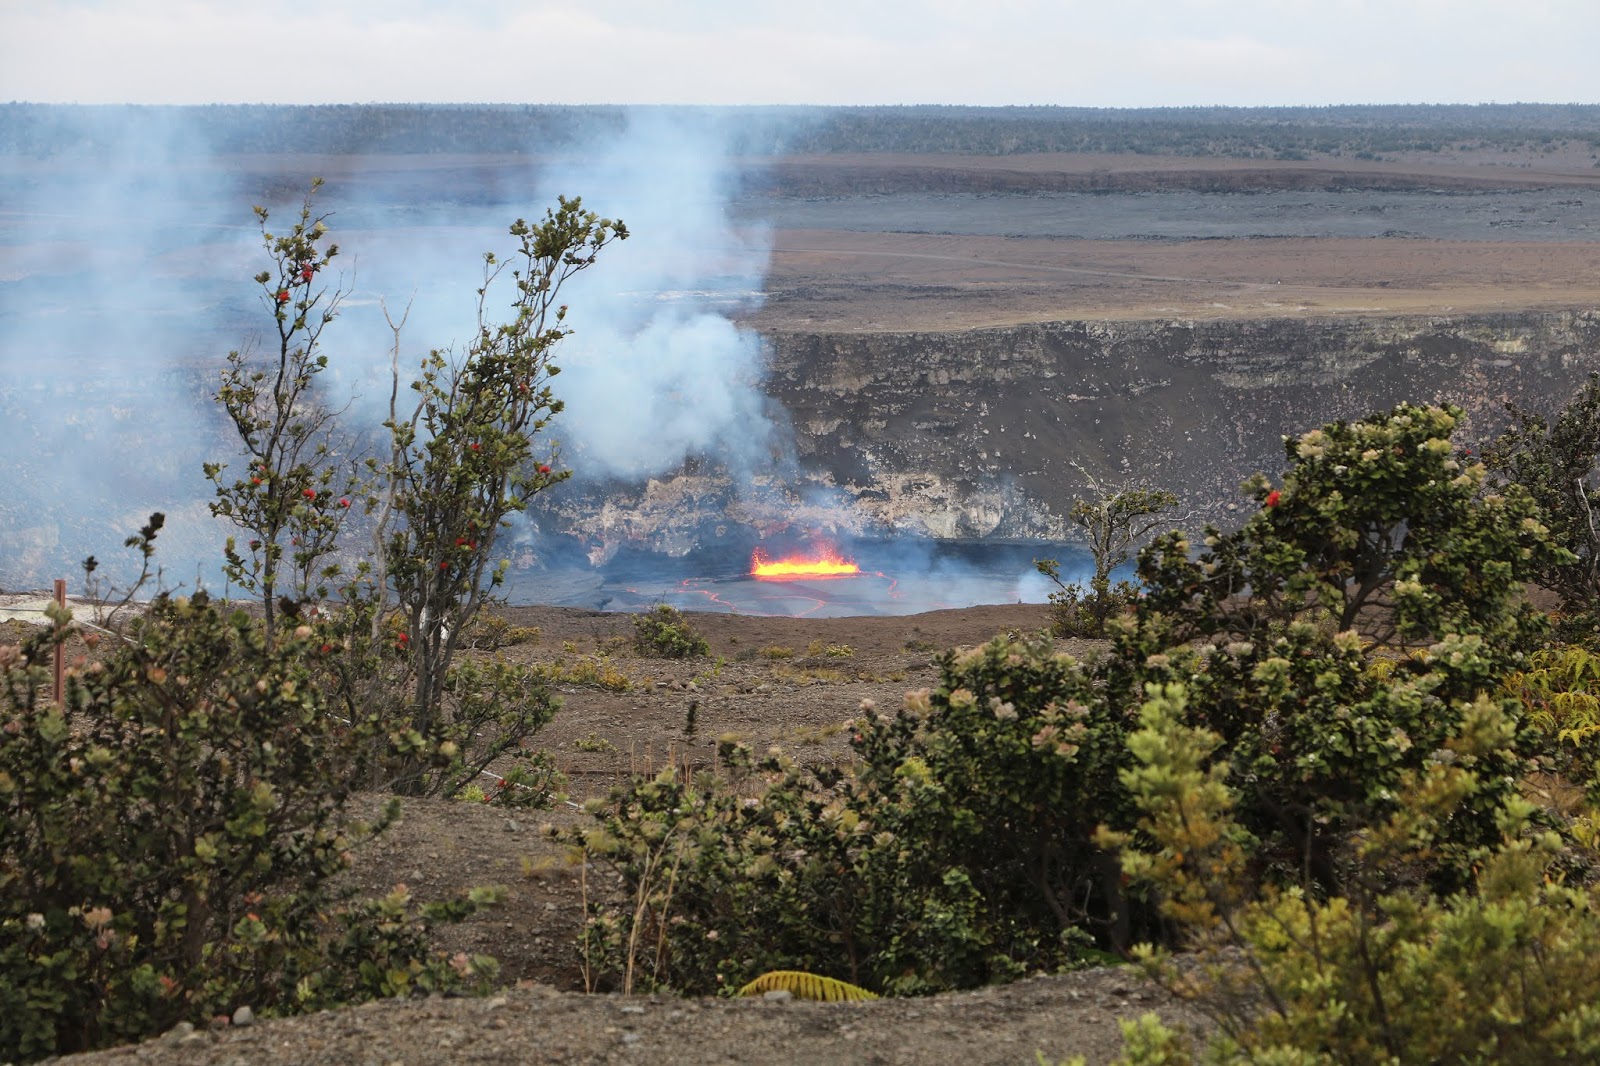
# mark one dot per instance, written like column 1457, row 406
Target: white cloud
column 829, row 51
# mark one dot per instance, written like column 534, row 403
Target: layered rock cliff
column 975, row 434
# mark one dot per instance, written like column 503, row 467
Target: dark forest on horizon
column 1362, row 131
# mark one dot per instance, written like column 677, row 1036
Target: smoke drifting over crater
column 657, row 371
column 125, row 280
column 126, row 259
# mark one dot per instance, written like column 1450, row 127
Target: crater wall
column 979, row 434
column 976, row 433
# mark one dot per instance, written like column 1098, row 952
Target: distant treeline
column 1275, row 132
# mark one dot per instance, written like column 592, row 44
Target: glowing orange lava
column 824, row 563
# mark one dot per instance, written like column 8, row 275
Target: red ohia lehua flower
column 283, row 296
column 544, row 469
column 1272, row 498
column 311, row 494
column 344, row 501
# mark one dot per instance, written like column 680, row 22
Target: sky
column 1096, row 53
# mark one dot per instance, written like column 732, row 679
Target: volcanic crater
column 943, row 357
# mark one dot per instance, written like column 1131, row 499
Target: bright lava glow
column 825, row 563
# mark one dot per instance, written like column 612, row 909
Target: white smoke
column 657, row 371
column 125, row 280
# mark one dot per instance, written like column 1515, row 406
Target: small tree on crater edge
column 292, row 500
column 462, row 460
column 1115, row 520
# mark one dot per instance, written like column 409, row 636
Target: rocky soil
column 1071, row 1014
column 785, row 681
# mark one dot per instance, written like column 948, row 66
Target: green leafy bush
column 171, row 839
column 1381, row 532
column 959, row 852
column 1560, row 692
column 1319, row 747
column 1554, row 461
column 664, row 633
column 1501, row 971
column 706, row 903
column 1381, row 525
column 961, row 848
column 1079, row 612
column 494, row 707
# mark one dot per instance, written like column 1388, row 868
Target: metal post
column 61, row 664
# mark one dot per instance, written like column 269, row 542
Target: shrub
column 963, row 847
column 1319, row 747
column 495, row 706
column 958, row 854
column 1075, row 612
column 1380, row 524
column 664, row 633
column 171, row 839
column 1500, row 972
column 701, row 904
column 1554, row 461
column 491, row 632
column 1560, row 694
column 590, row 671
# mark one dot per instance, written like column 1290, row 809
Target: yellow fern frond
column 1577, row 737
column 802, row 985
column 1576, row 708
column 1381, row 669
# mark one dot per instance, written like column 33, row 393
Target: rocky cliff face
column 974, row 434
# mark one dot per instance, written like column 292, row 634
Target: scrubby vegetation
column 1115, row 519
column 1333, row 757
column 173, row 830
column 171, row 838
column 1305, row 753
column 664, row 633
